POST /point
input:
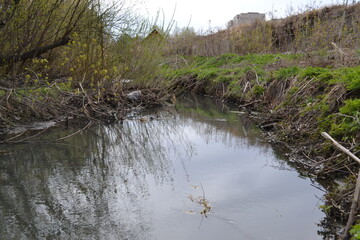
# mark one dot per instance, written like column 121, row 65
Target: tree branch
column 4, row 60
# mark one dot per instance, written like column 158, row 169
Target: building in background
column 246, row 18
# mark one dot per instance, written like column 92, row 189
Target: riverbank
column 46, row 105
column 293, row 102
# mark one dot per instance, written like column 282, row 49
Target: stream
column 194, row 171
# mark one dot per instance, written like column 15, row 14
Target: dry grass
column 312, row 32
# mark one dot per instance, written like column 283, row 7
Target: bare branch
column 4, row 60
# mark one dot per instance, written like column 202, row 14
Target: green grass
column 350, row 77
column 225, row 68
column 285, row 73
column 313, row 72
column 347, row 123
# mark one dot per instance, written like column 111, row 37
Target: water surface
column 142, row 180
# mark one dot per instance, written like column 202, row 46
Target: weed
column 326, row 208
column 355, row 232
column 258, row 90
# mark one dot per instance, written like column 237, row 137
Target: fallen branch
column 342, row 148
column 355, row 202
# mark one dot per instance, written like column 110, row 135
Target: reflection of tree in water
column 213, row 120
column 215, row 123
column 90, row 187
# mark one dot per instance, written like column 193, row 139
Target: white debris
column 135, row 95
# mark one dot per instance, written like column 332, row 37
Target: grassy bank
column 296, row 103
column 327, row 96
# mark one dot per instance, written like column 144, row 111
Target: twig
column 202, row 189
column 70, row 135
column 20, row 134
column 50, row 141
column 27, row 138
column 319, row 188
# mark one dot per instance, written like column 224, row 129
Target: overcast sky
column 204, row 13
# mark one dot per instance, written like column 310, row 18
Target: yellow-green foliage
column 33, row 24
column 95, row 58
column 139, row 58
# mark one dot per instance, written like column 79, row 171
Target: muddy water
column 152, row 179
